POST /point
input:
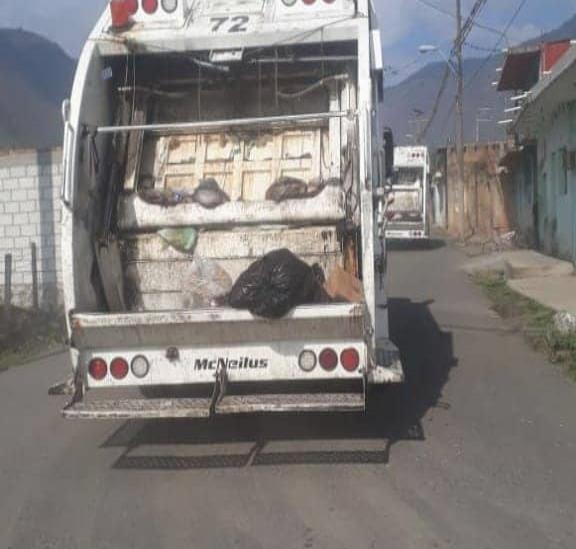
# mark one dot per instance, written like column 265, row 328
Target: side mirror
column 388, row 153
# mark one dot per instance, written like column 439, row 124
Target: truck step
column 321, row 402
column 157, row 408
column 200, row 408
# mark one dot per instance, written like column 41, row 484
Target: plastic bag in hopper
column 277, row 283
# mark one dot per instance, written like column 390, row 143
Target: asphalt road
column 477, row 451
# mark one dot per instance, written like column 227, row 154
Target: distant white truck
column 408, row 212
column 172, row 94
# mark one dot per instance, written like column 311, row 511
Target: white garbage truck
column 408, row 209
column 200, row 136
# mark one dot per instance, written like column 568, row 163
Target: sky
column 405, row 24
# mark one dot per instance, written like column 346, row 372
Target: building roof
column 526, row 65
column 554, row 88
column 521, row 69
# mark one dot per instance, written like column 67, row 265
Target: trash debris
column 184, row 240
column 565, row 323
column 207, row 284
column 209, row 194
column 277, row 283
column 291, row 188
column 343, row 287
column 165, row 198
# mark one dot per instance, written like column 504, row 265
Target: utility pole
column 460, row 115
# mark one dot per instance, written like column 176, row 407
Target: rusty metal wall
column 489, row 193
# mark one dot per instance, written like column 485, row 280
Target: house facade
column 542, row 166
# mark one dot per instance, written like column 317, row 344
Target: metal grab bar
column 225, row 123
column 67, row 160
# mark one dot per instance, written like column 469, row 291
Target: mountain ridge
column 416, row 94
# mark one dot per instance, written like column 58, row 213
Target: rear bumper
column 205, row 408
column 411, row 231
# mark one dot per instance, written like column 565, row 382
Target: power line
column 496, row 47
column 463, row 33
column 451, row 14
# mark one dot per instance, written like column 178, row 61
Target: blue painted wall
column 557, row 184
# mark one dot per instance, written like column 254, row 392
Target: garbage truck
column 201, row 136
column 409, row 198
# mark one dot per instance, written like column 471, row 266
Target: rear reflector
column 350, row 359
column 150, row 6
column 140, row 366
column 119, row 368
column 328, row 359
column 98, row 369
column 307, row 361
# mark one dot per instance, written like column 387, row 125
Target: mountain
column 35, row 76
column 409, row 104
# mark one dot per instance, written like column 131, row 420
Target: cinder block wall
column 30, row 212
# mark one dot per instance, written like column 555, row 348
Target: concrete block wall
column 30, row 212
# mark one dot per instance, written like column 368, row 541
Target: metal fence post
column 34, row 259
column 7, row 289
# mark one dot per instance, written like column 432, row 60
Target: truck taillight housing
column 98, row 369
column 119, row 368
column 169, row 6
column 131, row 6
column 307, row 361
column 350, row 359
column 328, row 359
column 120, row 12
column 150, row 6
column 140, row 366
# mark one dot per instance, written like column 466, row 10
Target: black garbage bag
column 277, row 283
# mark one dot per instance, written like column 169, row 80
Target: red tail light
column 119, row 10
column 132, row 6
column 328, row 359
column 119, row 368
column 98, row 369
column 350, row 359
column 150, row 6
column 309, row 2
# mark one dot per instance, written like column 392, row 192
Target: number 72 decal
column 239, row 23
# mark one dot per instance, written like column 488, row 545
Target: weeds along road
column 477, row 451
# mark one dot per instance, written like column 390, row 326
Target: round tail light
column 140, row 366
column 289, row 3
column 150, row 6
column 309, row 2
column 350, row 359
column 98, row 369
column 307, row 361
column 328, row 359
column 169, row 6
column 119, row 368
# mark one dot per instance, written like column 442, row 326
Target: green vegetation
column 27, row 335
column 533, row 319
